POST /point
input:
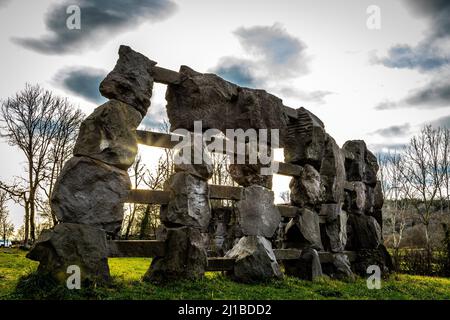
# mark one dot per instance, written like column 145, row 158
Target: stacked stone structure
column 336, row 197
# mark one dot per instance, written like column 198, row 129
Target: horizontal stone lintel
column 167, row 76
column 140, row 196
column 164, row 140
column 153, row 248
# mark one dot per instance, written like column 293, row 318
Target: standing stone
column 332, row 172
column 334, row 231
column 109, row 135
column 307, row 190
column 221, row 105
column 130, row 81
column 69, row 244
column 305, row 139
column 257, row 214
column 185, row 257
column 360, row 163
column 189, row 202
column 91, row 192
column 364, row 232
column 255, row 260
column 307, row 267
column 303, row 231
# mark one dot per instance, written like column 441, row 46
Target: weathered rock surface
column 307, row 267
column 130, row 81
column 360, row 163
column 305, row 139
column 334, row 236
column 332, row 172
column 342, row 267
column 185, row 257
column 72, row 244
column 364, row 232
column 369, row 257
column 249, row 174
column 255, row 260
column 91, row 192
column 109, row 135
column 303, row 231
column 257, row 214
column 307, row 190
column 356, row 197
column 189, row 202
column 221, row 105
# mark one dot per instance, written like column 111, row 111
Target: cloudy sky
column 380, row 85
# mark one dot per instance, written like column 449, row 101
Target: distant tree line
column 416, row 179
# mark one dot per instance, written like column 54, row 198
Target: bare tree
column 395, row 191
column 423, row 176
column 32, row 121
column 6, row 227
column 137, row 174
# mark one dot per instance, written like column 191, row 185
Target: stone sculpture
column 336, row 197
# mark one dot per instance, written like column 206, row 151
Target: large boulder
column 332, row 172
column 109, row 135
column 307, row 267
column 185, row 257
column 254, row 260
column 257, row 214
column 363, row 232
column 91, row 192
column 189, row 202
column 130, row 81
column 334, row 231
column 303, row 231
column 69, row 244
column 360, row 163
column 305, row 139
column 202, row 97
column 307, row 189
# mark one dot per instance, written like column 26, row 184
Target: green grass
column 127, row 273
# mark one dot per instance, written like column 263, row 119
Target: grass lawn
column 127, row 273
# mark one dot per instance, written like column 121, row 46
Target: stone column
column 186, row 218
column 258, row 219
column 90, row 191
column 364, row 201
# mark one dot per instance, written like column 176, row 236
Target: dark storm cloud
column 423, row 57
column 443, row 122
column 435, row 94
column 394, row 131
column 82, row 81
column 273, row 56
column 100, row 20
column 239, row 71
column 282, row 52
column 427, row 55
